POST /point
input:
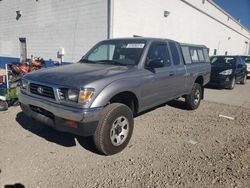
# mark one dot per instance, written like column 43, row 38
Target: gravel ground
column 170, row 147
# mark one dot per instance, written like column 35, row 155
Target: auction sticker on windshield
column 135, row 45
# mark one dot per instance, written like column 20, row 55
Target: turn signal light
column 86, row 95
column 70, row 123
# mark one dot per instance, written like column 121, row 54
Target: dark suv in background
column 226, row 71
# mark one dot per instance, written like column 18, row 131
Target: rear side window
column 175, row 53
column 194, row 55
column 201, row 56
column 159, row 51
column 186, row 54
column 206, row 54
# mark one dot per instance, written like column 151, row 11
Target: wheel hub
column 196, row 97
column 119, row 131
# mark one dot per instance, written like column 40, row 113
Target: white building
column 44, row 27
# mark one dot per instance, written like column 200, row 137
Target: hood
column 77, row 74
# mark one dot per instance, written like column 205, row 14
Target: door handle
column 171, row 74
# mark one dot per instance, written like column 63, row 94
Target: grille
column 42, row 111
column 45, row 91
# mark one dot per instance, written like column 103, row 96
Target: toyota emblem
column 40, row 90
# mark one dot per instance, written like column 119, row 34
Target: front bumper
column 220, row 81
column 55, row 115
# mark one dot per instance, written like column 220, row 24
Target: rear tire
column 232, row 84
column 3, row 105
column 244, row 80
column 194, row 98
column 114, row 129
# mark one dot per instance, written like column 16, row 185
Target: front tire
column 194, row 98
column 114, row 129
column 232, row 84
column 244, row 80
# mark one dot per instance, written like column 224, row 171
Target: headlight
column 227, row 72
column 86, row 95
column 73, row 95
column 24, row 84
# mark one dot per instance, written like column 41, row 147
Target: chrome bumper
column 87, row 118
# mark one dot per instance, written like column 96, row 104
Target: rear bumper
column 55, row 115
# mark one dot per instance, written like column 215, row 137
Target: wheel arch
column 128, row 98
column 118, row 92
column 200, row 80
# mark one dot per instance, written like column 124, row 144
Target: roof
column 141, row 38
column 156, row 39
column 193, row 45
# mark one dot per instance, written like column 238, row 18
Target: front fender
column 115, row 88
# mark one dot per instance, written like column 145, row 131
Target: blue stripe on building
column 4, row 60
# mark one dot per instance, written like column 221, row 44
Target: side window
column 247, row 60
column 159, row 51
column 194, row 55
column 175, row 53
column 186, row 54
column 200, row 55
column 206, row 55
column 241, row 61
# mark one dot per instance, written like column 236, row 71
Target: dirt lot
column 170, row 147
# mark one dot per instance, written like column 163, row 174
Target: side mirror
column 155, row 63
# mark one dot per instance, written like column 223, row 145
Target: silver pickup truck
column 115, row 81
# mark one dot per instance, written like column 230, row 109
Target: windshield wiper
column 86, row 61
column 111, row 62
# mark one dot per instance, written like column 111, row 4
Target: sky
column 239, row 9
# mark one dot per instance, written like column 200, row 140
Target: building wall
column 49, row 25
column 76, row 25
column 189, row 21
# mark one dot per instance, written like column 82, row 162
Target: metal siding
column 185, row 23
column 48, row 25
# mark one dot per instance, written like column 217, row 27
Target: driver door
column 159, row 85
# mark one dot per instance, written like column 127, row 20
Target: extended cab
column 116, row 80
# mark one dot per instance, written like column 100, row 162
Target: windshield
column 247, row 60
column 116, row 52
column 223, row 61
